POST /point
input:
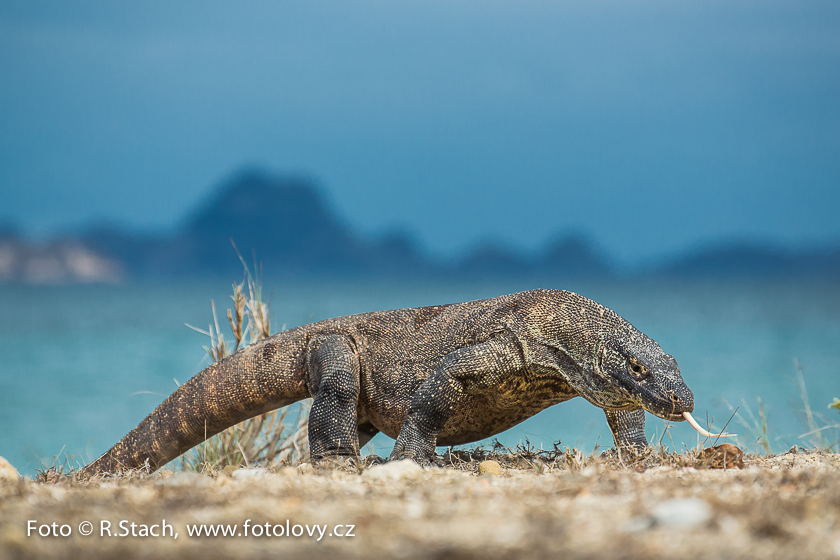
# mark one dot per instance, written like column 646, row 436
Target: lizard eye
column 637, row 370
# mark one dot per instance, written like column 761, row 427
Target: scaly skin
column 442, row 375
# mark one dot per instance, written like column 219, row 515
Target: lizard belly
column 477, row 416
column 483, row 415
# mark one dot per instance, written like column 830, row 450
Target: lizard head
column 608, row 361
column 632, row 371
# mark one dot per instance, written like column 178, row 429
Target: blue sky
column 651, row 126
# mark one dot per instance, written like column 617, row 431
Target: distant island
column 286, row 223
column 56, row 262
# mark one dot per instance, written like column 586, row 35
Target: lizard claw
column 421, row 460
column 372, row 460
column 415, row 455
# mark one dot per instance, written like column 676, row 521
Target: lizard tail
column 259, row 378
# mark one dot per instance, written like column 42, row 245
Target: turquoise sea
column 80, row 366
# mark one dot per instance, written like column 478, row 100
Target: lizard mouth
column 670, row 416
column 685, row 415
column 664, row 403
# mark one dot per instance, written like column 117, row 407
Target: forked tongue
column 700, row 429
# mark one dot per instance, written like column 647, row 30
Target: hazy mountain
column 574, row 255
column 294, row 232
column 282, row 221
column 285, row 222
column 750, row 260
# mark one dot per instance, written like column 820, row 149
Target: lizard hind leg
column 333, row 380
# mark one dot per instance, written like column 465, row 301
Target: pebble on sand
column 395, row 470
column 489, row 467
column 7, row 471
column 682, row 513
column 242, row 474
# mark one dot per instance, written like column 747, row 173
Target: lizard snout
column 680, row 404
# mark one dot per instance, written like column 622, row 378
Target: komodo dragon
column 427, row 376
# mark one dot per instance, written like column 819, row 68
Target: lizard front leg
column 468, row 370
column 628, row 428
column 333, row 381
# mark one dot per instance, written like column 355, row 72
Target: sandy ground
column 787, row 506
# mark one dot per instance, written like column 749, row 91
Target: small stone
column 589, row 471
column 723, row 456
column 305, row 468
column 242, row 474
column 7, row 471
column 638, row 524
column 186, row 478
column 489, row 467
column 729, row 525
column 682, row 513
column 228, row 470
column 414, row 509
column 395, row 470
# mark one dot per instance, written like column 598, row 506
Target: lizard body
column 439, row 375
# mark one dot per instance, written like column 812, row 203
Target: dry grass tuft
column 526, row 457
column 823, row 433
column 279, row 436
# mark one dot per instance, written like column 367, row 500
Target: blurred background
column 677, row 162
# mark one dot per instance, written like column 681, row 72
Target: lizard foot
column 420, row 456
column 415, row 444
column 420, row 459
column 372, row 460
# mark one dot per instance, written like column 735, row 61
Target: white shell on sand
column 242, row 474
column 682, row 513
column 395, row 470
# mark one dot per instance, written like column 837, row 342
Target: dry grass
column 524, row 457
column 823, row 432
column 279, row 436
